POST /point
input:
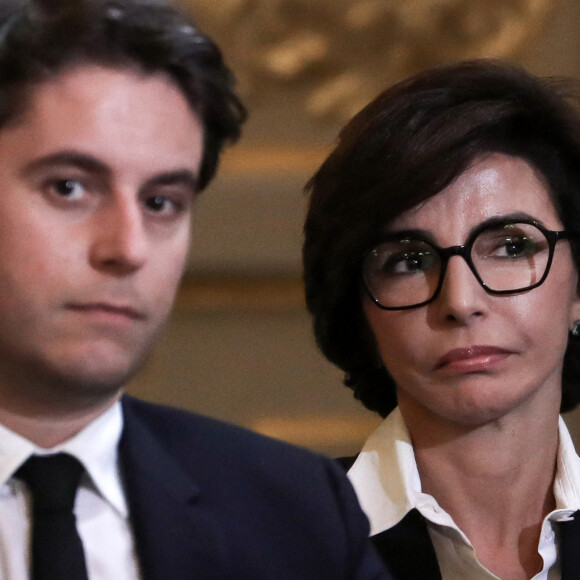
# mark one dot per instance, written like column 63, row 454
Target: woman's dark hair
column 40, row 39
column 405, row 147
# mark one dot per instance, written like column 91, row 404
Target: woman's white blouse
column 388, row 486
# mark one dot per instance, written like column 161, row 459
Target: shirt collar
column 385, row 475
column 95, row 446
column 567, row 482
column 388, row 486
column 14, row 451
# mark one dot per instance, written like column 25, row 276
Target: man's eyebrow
column 69, row 158
column 91, row 164
column 178, row 177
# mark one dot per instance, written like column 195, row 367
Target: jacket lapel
column 409, row 554
column 175, row 535
column 570, row 547
column 407, row 550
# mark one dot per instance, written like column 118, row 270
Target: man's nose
column 120, row 238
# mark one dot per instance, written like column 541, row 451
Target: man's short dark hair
column 405, row 147
column 43, row 38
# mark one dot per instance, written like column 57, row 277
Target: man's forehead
column 95, row 88
column 127, row 120
column 78, row 74
column 89, row 82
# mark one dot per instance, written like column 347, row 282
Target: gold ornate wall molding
column 340, row 53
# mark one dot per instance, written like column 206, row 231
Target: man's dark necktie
column 57, row 550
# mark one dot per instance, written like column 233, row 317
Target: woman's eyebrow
column 429, row 236
column 408, row 233
column 404, row 233
column 498, row 220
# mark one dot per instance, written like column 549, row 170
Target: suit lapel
column 570, row 547
column 409, row 554
column 175, row 535
column 407, row 549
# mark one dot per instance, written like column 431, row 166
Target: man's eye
column 166, row 205
column 159, row 203
column 69, row 188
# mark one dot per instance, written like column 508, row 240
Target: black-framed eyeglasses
column 406, row 271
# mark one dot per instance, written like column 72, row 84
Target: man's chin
column 93, row 380
column 72, row 373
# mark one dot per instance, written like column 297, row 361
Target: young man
column 112, row 117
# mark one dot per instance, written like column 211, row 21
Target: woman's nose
column 462, row 296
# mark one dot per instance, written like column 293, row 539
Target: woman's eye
column 516, row 247
column 69, row 188
column 408, row 263
column 414, row 262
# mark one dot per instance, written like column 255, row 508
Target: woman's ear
column 575, row 314
column 576, row 304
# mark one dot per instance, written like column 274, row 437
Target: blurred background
column 239, row 346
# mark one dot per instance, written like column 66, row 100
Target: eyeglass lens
column 508, row 257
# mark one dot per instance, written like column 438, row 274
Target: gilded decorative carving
column 340, row 53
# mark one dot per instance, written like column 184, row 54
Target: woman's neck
column 495, row 480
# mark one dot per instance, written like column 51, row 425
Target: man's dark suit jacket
column 213, row 501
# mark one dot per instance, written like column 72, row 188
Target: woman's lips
column 472, row 359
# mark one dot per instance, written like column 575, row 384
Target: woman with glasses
column 442, row 251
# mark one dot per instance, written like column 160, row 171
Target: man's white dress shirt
column 387, row 483
column 100, row 507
